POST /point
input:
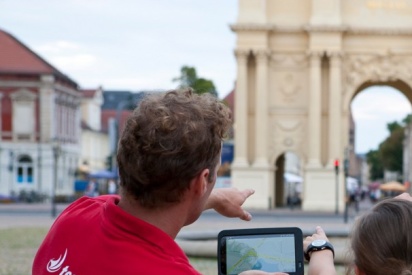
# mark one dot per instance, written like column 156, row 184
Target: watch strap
column 312, row 248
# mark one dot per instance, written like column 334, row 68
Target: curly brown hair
column 167, row 141
column 381, row 240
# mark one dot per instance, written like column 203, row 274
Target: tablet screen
column 268, row 252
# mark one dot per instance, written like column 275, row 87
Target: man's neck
column 169, row 219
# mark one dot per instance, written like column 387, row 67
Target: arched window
column 25, row 170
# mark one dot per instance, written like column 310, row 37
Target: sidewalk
column 32, row 214
column 27, row 214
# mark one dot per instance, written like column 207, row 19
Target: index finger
column 247, row 193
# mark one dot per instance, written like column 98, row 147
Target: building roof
column 230, row 101
column 89, row 93
column 17, row 58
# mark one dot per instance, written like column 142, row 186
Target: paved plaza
column 39, row 215
column 199, row 238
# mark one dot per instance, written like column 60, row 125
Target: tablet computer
column 267, row 249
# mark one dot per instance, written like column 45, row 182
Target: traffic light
column 336, row 164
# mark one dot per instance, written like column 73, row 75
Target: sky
column 372, row 109
column 137, row 45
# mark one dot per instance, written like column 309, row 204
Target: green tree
column 407, row 119
column 188, row 78
column 389, row 155
column 375, row 164
column 393, row 126
column 391, row 150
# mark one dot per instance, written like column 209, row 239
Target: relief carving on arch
column 287, row 135
column 288, row 60
column 360, row 68
column 289, row 87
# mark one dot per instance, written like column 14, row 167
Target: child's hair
column 382, row 239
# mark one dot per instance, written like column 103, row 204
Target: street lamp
column 346, row 172
column 56, row 153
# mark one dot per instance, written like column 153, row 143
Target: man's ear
column 201, row 182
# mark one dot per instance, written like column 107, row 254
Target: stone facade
column 299, row 65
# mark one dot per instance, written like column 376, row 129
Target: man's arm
column 228, row 202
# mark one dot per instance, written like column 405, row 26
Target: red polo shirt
column 95, row 236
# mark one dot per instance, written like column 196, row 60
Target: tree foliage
column 389, row 155
column 391, row 150
column 375, row 165
column 189, row 78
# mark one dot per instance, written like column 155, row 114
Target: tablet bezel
column 297, row 233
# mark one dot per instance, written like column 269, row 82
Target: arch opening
column 288, row 180
column 374, row 107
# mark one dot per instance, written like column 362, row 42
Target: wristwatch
column 318, row 245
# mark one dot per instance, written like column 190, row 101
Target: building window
column 23, row 115
column 25, row 170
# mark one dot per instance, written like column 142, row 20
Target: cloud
column 67, row 56
column 372, row 110
column 57, row 47
column 75, row 62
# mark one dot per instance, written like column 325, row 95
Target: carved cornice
column 380, row 31
column 320, row 28
column 251, row 27
column 325, row 28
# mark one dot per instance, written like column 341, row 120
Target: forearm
column 211, row 201
column 321, row 263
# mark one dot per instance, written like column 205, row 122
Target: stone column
column 241, row 110
column 315, row 112
column 47, row 108
column 335, row 107
column 261, row 109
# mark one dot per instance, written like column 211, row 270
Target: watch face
column 318, row 242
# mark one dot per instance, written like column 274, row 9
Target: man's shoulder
column 86, row 202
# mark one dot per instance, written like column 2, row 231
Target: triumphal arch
column 299, row 65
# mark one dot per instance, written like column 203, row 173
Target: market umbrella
column 393, row 186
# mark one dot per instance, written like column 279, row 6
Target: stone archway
column 299, row 64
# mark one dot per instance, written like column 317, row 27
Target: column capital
column 334, row 54
column 315, row 53
column 335, row 57
column 241, row 53
column 262, row 54
column 315, row 57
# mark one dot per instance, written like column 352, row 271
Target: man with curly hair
column 168, row 157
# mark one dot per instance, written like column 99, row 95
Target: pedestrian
column 381, row 241
column 168, row 157
column 112, row 188
column 92, row 189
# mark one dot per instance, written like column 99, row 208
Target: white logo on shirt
column 55, row 265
